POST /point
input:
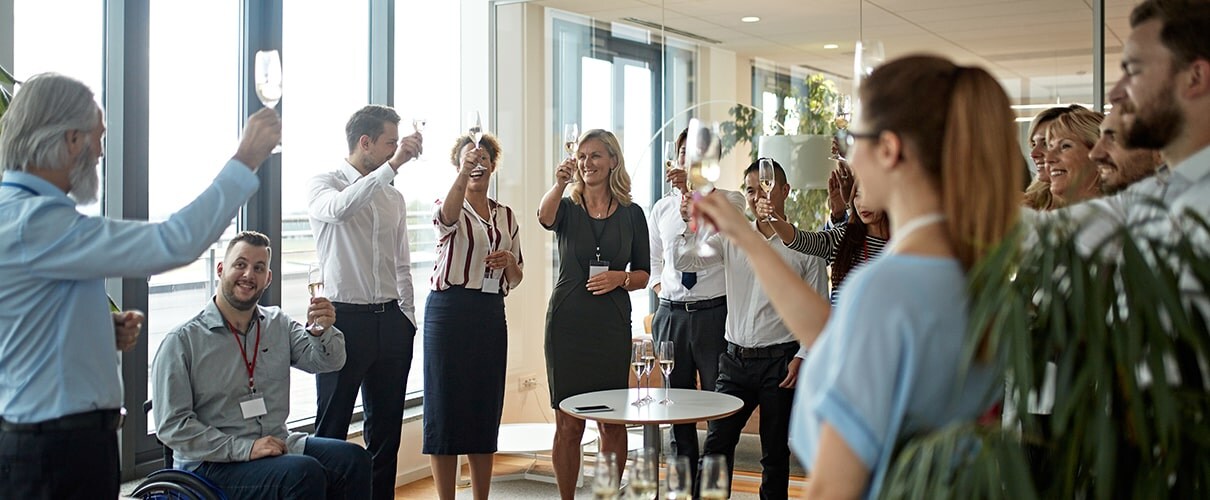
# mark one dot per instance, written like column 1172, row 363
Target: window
column 39, row 47
column 193, row 131
column 325, row 79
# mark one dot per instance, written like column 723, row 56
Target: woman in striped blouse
column 846, row 246
column 465, row 335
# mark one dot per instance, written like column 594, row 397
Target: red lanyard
column 251, row 367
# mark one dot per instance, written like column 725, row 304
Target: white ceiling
column 1040, row 49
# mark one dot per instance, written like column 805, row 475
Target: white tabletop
column 689, row 406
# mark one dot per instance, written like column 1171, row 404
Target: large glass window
column 428, row 87
column 193, row 131
column 39, row 47
column 324, row 79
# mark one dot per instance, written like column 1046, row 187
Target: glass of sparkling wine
column 702, row 148
column 670, row 154
column 637, row 363
column 315, row 286
column 644, row 475
column 267, row 75
column 474, row 129
column 768, row 179
column 605, row 478
column 666, row 353
column 716, row 478
column 571, row 138
column 680, row 479
column 648, row 367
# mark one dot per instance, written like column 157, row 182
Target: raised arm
column 550, row 201
column 451, row 207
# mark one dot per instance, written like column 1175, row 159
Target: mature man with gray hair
column 60, row 395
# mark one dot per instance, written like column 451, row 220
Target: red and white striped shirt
column 463, row 247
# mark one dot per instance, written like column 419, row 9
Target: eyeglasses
column 845, row 139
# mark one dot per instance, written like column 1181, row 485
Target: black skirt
column 465, row 357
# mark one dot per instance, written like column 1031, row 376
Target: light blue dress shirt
column 57, row 350
column 889, row 362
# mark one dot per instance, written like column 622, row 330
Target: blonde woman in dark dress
column 588, row 319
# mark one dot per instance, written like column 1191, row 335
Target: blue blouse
column 890, row 363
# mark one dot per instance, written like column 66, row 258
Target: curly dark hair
column 488, row 142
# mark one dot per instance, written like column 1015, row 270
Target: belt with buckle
column 346, row 307
column 96, row 420
column 773, row 351
column 699, row 305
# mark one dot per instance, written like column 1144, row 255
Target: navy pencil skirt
column 465, row 357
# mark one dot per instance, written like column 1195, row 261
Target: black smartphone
column 592, row 409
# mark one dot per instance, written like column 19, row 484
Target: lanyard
column 251, row 367
column 598, row 234
column 489, row 228
column 22, row 187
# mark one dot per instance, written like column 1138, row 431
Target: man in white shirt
column 361, row 236
column 761, row 360
column 692, row 313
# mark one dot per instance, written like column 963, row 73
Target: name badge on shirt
column 491, row 284
column 596, row 267
column 252, row 406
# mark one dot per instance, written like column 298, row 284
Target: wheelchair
column 175, row 484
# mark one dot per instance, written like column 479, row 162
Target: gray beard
column 84, row 181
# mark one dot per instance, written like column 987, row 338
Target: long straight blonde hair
column 619, row 179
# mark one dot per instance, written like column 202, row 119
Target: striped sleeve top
column 462, row 248
column 826, row 244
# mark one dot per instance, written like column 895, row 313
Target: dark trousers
column 56, row 465
column 754, row 381
column 327, row 469
column 698, row 340
column 378, row 348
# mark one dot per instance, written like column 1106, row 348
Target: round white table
column 689, row 406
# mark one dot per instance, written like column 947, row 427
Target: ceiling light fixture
column 831, row 46
column 750, row 19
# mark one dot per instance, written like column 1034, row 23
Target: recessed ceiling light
column 831, row 46
column 750, row 19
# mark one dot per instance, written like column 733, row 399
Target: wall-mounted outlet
column 527, row 382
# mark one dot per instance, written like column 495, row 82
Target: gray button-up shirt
column 199, row 378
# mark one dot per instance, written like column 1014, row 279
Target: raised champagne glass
column 667, row 355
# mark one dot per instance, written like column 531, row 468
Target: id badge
column 252, row 406
column 491, row 284
column 596, row 267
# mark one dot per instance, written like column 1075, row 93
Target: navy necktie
column 688, row 279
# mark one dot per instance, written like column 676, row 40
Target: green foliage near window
column 1124, row 329
column 816, row 110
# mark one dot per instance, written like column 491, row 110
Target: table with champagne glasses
column 688, row 406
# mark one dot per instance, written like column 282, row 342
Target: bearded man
column 60, row 395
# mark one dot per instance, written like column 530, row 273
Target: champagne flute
column 605, row 477
column 768, row 180
column 667, row 357
column 418, row 125
column 680, row 479
column 571, row 137
column 670, row 154
column 267, row 76
column 315, row 286
column 716, row 478
column 474, row 128
column 702, row 149
column 648, row 367
column 644, row 475
column 843, row 112
column 637, row 363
